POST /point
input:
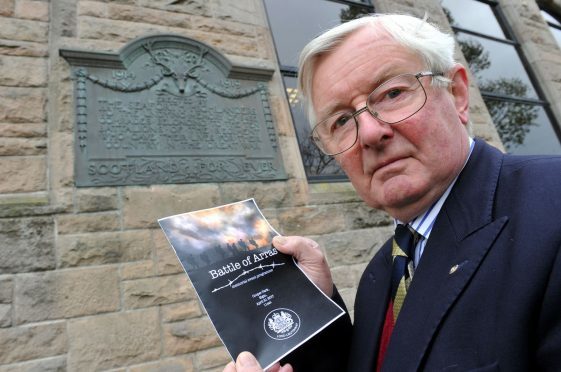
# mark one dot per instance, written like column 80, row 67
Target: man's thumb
column 246, row 362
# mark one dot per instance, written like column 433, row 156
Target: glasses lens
column 397, row 99
column 336, row 134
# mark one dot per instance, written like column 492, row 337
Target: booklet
column 257, row 298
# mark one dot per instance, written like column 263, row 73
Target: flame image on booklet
column 257, row 298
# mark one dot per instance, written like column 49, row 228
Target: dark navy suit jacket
column 486, row 294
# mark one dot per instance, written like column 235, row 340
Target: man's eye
column 341, row 120
column 393, row 93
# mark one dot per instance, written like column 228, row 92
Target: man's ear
column 460, row 90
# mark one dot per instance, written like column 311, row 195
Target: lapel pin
column 455, row 268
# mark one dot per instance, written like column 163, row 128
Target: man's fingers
column 230, row 367
column 286, row 368
column 310, row 258
column 246, row 362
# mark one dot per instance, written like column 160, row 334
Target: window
column 293, row 24
column 554, row 25
column 520, row 114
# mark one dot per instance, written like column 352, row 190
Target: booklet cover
column 257, row 298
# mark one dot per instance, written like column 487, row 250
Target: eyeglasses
column 393, row 101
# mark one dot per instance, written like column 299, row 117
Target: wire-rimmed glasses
column 391, row 102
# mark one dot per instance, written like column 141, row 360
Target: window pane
column 523, row 128
column 474, row 16
column 496, row 66
column 550, row 18
column 315, row 162
column 295, row 22
column 556, row 34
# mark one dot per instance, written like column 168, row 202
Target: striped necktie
column 403, row 249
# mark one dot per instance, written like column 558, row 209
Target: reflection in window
column 473, row 15
column 293, row 24
column 514, row 104
column 315, row 162
column 554, row 26
column 490, row 60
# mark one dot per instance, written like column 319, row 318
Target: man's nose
column 371, row 131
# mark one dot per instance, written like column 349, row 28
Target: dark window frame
column 511, row 40
column 292, row 71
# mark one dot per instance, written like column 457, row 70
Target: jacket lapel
column 462, row 236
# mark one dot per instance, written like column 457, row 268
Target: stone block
column 23, row 48
column 6, row 294
column 113, row 340
column 53, row 364
column 23, row 71
column 138, row 270
column 23, row 174
column 311, row 220
column 149, row 16
column 181, row 311
column 66, row 294
column 62, row 198
column 116, row 30
column 96, row 199
column 361, row 216
column 266, row 194
column 22, row 105
column 32, row 342
column 6, row 289
column 188, row 336
column 238, row 45
column 5, row 316
column 144, row 206
column 27, row 245
column 281, row 111
column 209, row 24
column 23, row 130
column 348, row 276
column 195, row 7
column 61, row 156
column 92, row 8
column 22, row 146
column 167, row 261
column 7, row 8
column 353, row 247
column 183, row 364
column 157, row 291
column 348, row 296
column 103, row 248
column 87, row 222
column 23, row 29
column 333, row 193
column 292, row 159
column 32, row 9
column 215, row 357
column 243, row 11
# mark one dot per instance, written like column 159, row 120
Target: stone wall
column 87, row 279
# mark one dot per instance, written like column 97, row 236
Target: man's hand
column 246, row 362
column 310, row 258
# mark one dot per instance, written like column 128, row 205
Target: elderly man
column 472, row 277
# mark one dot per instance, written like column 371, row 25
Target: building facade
column 87, row 278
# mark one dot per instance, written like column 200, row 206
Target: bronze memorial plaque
column 167, row 109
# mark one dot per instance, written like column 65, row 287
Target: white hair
column 435, row 47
